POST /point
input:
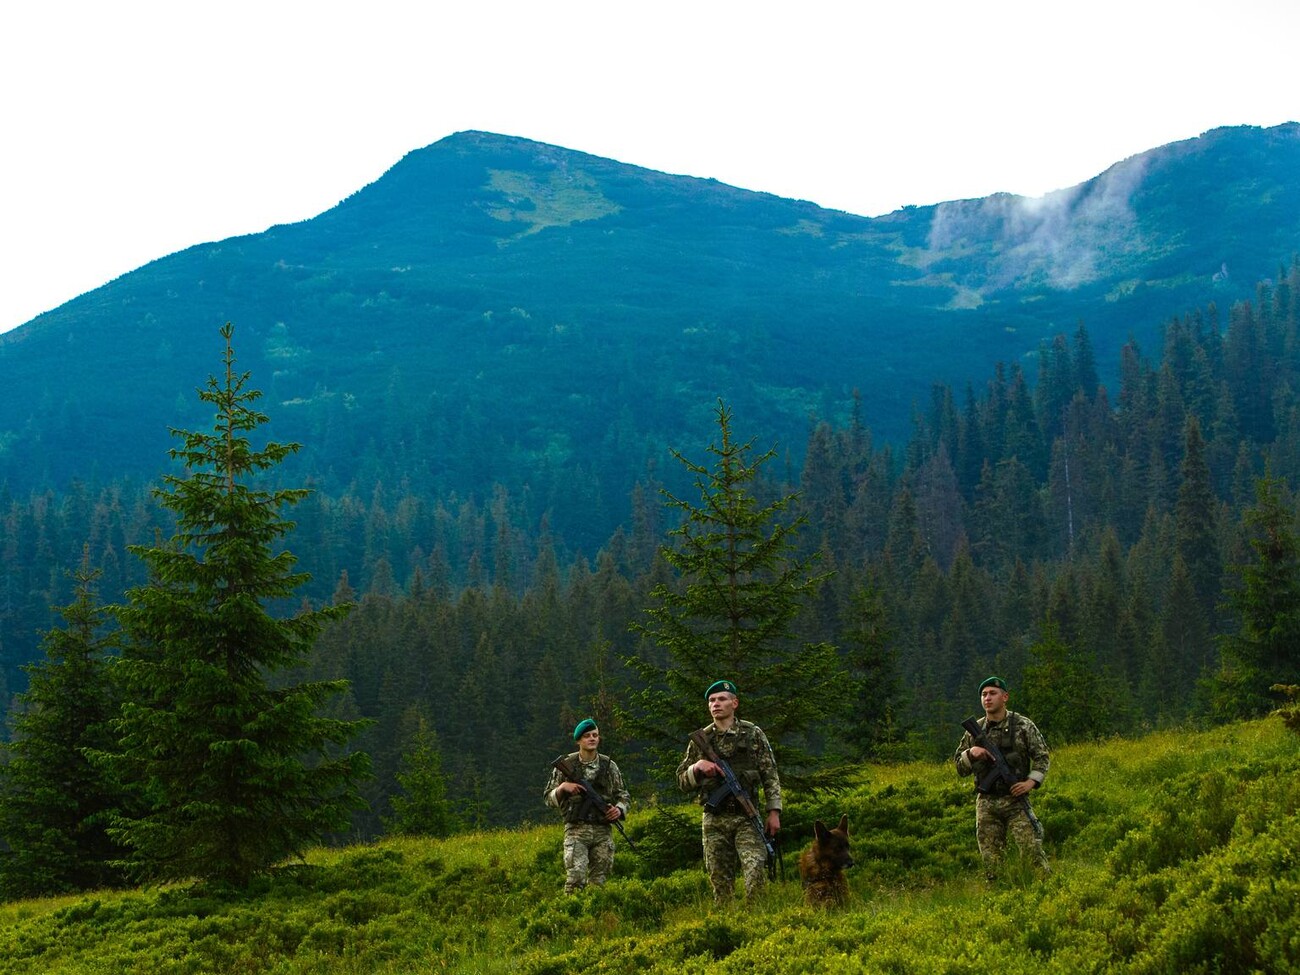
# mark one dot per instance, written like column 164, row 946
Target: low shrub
column 1171, row 855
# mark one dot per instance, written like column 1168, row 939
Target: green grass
column 558, row 201
column 1172, row 853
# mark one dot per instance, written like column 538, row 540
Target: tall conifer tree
column 1187, row 637
column 53, row 800
column 238, row 772
column 732, row 615
column 1265, row 649
column 1065, row 693
column 1085, row 363
column 1196, row 532
column 874, row 721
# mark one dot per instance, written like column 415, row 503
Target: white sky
column 133, row 129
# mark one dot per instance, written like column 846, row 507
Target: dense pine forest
column 1091, row 544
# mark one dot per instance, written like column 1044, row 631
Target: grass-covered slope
column 1173, row 853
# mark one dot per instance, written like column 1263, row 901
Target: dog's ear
column 844, row 825
column 819, row 828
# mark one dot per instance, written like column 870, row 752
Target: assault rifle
column 590, row 797
column 731, row 787
column 1000, row 772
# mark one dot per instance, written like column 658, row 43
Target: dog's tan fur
column 822, row 865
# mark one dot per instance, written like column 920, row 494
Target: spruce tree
column 238, row 772
column 1196, row 523
column 1187, row 637
column 1064, row 692
column 874, row 724
column 730, row 614
column 53, row 801
column 422, row 807
column 1085, row 363
column 1265, row 649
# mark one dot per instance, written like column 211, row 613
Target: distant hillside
column 494, row 310
column 1171, row 854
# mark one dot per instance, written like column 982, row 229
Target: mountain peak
column 504, row 307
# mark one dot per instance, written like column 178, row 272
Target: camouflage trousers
column 731, row 844
column 588, row 854
column 995, row 816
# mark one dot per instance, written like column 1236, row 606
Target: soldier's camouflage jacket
column 746, row 749
column 1021, row 744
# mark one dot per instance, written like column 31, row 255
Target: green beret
column 993, row 682
column 585, row 725
column 718, row 686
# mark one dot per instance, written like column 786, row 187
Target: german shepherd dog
column 822, row 865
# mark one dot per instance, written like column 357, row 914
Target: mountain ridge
column 462, row 141
column 498, row 310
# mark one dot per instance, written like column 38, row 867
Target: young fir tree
column 875, row 725
column 1265, row 649
column 1063, row 691
column 54, row 802
column 237, row 773
column 422, row 808
column 732, row 616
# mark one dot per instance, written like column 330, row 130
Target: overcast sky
column 135, row 129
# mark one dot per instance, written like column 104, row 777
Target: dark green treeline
column 1036, row 525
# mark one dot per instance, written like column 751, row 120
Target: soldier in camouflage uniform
column 730, row 841
column 1006, row 808
column 588, row 837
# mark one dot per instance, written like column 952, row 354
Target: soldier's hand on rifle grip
column 705, row 767
column 979, row 753
column 773, row 821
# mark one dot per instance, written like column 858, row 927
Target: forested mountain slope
column 487, row 411
column 498, row 311
column 1085, row 544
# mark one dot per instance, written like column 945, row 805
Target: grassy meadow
column 1172, row 853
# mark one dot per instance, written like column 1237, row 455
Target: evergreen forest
column 1123, row 556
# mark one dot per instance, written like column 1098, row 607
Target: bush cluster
column 1171, row 854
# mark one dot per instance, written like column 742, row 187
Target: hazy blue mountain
column 498, row 310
